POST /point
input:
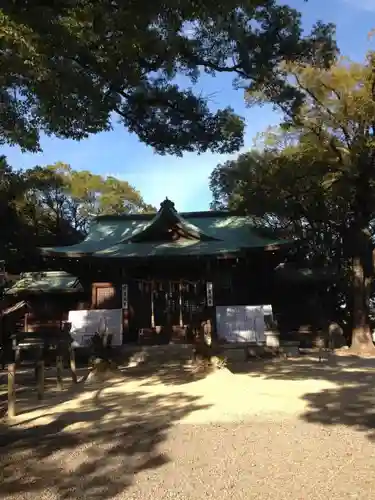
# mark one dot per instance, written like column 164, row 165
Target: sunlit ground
column 256, row 430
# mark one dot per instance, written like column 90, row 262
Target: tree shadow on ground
column 351, row 399
column 147, row 374
column 170, row 373
column 94, row 450
column 26, row 388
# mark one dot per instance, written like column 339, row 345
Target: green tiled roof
column 184, row 247
column 167, row 216
column 49, row 281
column 126, row 236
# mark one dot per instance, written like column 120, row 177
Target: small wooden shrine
column 40, row 302
column 169, row 271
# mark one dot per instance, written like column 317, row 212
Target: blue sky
column 185, row 180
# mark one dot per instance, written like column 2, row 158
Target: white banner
column 242, row 323
column 86, row 323
column 125, row 302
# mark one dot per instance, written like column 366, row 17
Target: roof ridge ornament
column 167, row 205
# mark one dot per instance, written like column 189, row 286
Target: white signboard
column 243, row 323
column 210, row 295
column 86, row 323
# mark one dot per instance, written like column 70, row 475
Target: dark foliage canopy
column 69, row 67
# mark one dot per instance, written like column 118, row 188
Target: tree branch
column 342, row 126
column 319, row 103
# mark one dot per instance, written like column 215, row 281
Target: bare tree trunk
column 362, row 265
column 361, row 333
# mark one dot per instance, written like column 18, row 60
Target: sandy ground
column 288, row 429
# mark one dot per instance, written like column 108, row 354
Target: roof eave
column 50, row 252
column 31, row 291
column 185, row 215
column 272, row 247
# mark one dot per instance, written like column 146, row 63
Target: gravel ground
column 225, row 436
column 253, row 460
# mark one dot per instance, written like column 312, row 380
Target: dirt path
column 279, row 387
column 288, row 430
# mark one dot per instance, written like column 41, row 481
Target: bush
column 210, row 355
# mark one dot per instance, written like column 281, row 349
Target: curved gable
column 170, row 233
column 168, row 225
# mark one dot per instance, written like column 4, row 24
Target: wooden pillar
column 94, row 293
column 125, row 311
column 66, row 328
column 59, row 371
column 17, row 355
column 12, row 389
column 180, row 304
column 15, row 351
column 40, row 374
column 152, row 286
column 211, row 310
column 168, row 322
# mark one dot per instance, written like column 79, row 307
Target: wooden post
column 16, row 351
column 12, row 389
column 152, row 304
column 180, row 303
column 59, row 371
column 125, row 312
column 125, row 326
column 17, row 356
column 40, row 374
column 210, row 312
column 73, row 371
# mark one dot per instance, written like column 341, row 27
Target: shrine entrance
column 164, row 311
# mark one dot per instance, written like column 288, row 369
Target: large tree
column 73, row 197
column 284, row 183
column 331, row 114
column 67, row 67
column 54, row 205
column 13, row 233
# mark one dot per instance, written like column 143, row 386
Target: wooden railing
column 44, row 325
